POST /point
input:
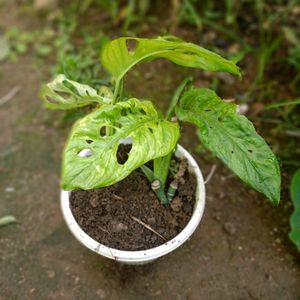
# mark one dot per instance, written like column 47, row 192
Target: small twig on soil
column 117, row 197
column 9, row 95
column 103, row 229
column 148, row 227
column 211, row 174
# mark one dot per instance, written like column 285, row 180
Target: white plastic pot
column 144, row 256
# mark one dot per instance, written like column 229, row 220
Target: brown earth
column 240, row 251
column 113, row 215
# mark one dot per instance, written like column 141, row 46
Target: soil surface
column 113, row 215
column 240, row 250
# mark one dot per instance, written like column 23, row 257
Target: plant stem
column 176, row 97
column 161, row 166
column 160, row 193
column 118, row 90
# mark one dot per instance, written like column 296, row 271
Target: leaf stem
column 160, row 193
column 118, row 90
column 176, row 97
column 161, row 166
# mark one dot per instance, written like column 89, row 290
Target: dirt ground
column 240, row 250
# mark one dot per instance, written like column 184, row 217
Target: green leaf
column 161, row 167
column 63, row 93
column 6, row 220
column 151, row 137
column 233, row 139
column 295, row 217
column 118, row 58
column 21, row 47
column 43, row 50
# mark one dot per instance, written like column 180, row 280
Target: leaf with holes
column 90, row 157
column 295, row 217
column 63, row 93
column 118, row 58
column 232, row 138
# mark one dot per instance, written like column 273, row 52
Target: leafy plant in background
column 293, row 57
column 41, row 41
column 90, row 156
column 269, row 39
column 294, row 60
column 19, row 41
column 266, row 25
column 81, row 65
column 295, row 218
column 287, row 122
column 125, row 12
column 79, row 62
column 292, row 130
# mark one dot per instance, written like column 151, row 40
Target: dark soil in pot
column 116, row 215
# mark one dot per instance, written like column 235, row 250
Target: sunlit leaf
column 90, row 156
column 232, row 138
column 121, row 54
column 63, row 93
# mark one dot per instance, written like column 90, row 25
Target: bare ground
column 240, row 251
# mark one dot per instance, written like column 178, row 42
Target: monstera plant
column 90, row 155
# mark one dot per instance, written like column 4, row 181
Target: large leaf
column 232, row 138
column 151, row 137
column 118, row 58
column 295, row 217
column 63, row 93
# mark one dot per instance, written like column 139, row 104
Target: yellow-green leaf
column 90, row 158
column 121, row 54
column 62, row 93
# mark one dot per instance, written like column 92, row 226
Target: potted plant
column 124, row 136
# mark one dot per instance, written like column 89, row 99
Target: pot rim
column 143, row 256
